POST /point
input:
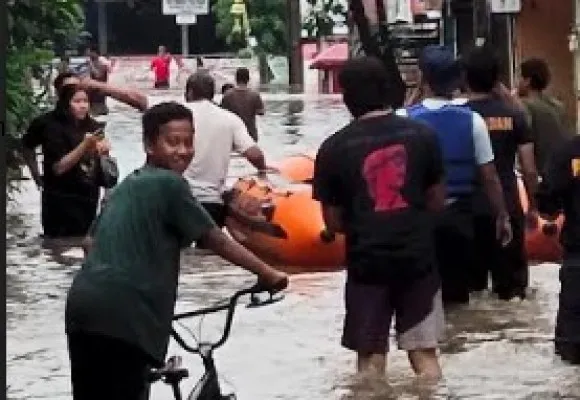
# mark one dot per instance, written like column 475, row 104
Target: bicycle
column 207, row 388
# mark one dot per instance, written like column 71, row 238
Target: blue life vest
column 453, row 125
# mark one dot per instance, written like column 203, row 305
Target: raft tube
column 284, row 226
column 542, row 244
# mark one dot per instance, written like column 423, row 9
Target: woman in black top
column 71, row 166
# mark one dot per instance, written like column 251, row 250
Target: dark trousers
column 567, row 340
column 161, row 85
column 107, row 368
column 217, row 212
column 454, row 249
column 508, row 266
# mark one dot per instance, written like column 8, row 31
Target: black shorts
column 161, row 85
column 416, row 305
column 107, row 368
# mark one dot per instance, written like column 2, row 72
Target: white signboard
column 185, row 19
column 506, row 6
column 175, row 7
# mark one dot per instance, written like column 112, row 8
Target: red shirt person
column 160, row 67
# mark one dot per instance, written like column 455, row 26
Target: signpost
column 186, row 12
column 506, row 6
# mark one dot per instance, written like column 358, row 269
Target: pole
column 102, row 26
column 295, row 62
column 184, row 40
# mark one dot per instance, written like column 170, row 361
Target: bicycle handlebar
column 230, row 306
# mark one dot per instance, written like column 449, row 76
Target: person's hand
column 273, row 280
column 532, row 217
column 503, row 230
column 103, row 147
column 87, row 83
column 90, row 141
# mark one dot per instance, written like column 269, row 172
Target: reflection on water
column 289, row 350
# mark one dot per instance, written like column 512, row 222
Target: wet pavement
column 288, row 350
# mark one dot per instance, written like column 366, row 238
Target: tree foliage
column 267, row 25
column 35, row 29
column 322, row 17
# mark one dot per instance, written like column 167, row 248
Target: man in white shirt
column 218, row 132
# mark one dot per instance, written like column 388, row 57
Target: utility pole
column 295, row 62
column 184, row 40
column 102, row 26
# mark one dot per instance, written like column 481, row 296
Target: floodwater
column 288, row 350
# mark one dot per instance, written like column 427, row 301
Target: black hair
column 157, row 116
column 537, row 71
column 200, row 85
column 226, row 87
column 242, row 75
column 365, row 85
column 60, row 78
column 481, row 67
column 63, row 112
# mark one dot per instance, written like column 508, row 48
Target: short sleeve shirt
column 246, row 104
column 377, row 172
column 127, row 287
column 508, row 130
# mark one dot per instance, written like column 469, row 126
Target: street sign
column 175, row 7
column 506, row 6
column 185, row 19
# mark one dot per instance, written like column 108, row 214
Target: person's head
column 535, row 76
column 168, row 136
column 92, row 52
column 199, row 62
column 226, row 87
column 440, row 71
column 65, row 78
column 199, row 86
column 161, row 50
column 365, row 85
column 242, row 76
column 481, row 70
column 73, row 102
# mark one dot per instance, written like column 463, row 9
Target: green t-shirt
column 548, row 126
column 127, row 286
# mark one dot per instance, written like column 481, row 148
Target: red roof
column 333, row 56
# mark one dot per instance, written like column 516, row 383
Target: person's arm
column 556, row 181
column 131, row 97
column 69, row 160
column 193, row 223
column 246, row 146
column 30, row 141
column 326, row 189
column 527, row 163
column 260, row 109
column 490, row 179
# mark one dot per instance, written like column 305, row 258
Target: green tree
column 35, row 29
column 267, row 25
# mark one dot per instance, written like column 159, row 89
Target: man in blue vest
column 467, row 156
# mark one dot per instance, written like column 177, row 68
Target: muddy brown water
column 288, row 350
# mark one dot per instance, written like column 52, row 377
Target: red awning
column 333, row 56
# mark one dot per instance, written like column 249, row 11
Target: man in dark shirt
column 379, row 180
column 510, row 136
column 560, row 191
column 244, row 102
column 34, row 136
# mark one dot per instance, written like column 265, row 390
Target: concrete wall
column 542, row 30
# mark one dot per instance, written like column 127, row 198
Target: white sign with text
column 176, row 7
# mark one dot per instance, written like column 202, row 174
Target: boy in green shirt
column 120, row 305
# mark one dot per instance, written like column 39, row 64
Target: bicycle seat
column 171, row 372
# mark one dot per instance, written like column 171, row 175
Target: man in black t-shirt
column 379, row 179
column 510, row 136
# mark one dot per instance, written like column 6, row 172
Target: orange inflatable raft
column 283, row 224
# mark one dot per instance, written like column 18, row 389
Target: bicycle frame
column 207, row 388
